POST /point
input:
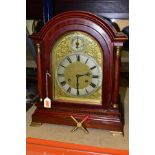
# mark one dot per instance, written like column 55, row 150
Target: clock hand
column 77, row 80
column 87, row 74
column 77, row 43
column 77, row 83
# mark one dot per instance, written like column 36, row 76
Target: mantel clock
column 81, row 53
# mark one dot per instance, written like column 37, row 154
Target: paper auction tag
column 47, row 102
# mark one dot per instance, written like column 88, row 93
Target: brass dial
column 77, row 43
column 78, row 75
column 75, row 79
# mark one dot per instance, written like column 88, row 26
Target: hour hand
column 86, row 74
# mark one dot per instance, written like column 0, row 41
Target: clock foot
column 116, row 133
column 35, row 124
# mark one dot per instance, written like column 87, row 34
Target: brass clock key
column 79, row 124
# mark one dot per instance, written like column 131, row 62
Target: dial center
column 80, row 72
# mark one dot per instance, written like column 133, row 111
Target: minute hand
column 77, row 83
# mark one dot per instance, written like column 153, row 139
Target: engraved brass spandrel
column 63, row 47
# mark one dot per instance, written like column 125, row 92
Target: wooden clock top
column 80, row 17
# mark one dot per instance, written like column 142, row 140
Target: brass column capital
column 115, row 106
column 38, row 47
column 40, row 99
column 118, row 50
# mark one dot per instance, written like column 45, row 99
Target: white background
column 13, row 77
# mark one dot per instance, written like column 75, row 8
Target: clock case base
column 110, row 119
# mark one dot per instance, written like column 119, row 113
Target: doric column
column 117, row 62
column 39, row 72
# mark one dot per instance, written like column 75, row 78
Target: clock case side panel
column 104, row 34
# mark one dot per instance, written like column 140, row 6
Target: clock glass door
column 77, row 66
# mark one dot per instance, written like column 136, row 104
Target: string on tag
column 47, row 75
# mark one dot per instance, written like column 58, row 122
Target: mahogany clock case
column 105, row 116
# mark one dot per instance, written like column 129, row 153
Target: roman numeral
column 95, row 76
column 63, row 83
column 69, row 90
column 68, row 58
column 62, row 66
column 78, row 57
column 77, row 92
column 93, row 85
column 86, row 91
column 86, row 60
column 60, row 74
column 93, row 67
